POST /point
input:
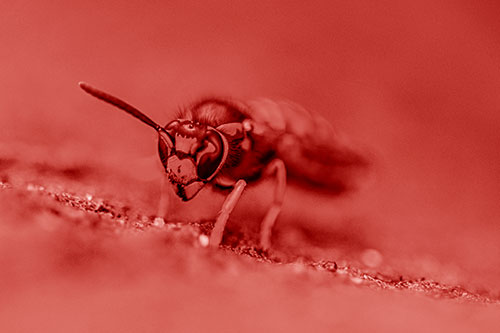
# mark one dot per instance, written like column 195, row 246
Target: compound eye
column 165, row 146
column 211, row 157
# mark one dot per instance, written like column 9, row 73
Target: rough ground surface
column 75, row 257
column 414, row 82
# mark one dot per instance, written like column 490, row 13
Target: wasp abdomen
column 311, row 150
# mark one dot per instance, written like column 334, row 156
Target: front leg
column 276, row 167
column 165, row 201
column 227, row 208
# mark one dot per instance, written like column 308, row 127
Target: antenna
column 120, row 104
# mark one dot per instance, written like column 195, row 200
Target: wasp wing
column 314, row 154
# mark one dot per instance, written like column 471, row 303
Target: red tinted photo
column 242, row 166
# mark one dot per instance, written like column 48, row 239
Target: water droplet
column 371, row 258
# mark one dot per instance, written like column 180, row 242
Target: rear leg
column 276, row 168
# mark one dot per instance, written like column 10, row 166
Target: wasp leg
column 165, row 198
column 278, row 168
column 227, row 208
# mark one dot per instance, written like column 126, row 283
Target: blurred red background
column 416, row 82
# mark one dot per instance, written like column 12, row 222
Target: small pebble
column 88, row 196
column 159, row 222
column 330, row 266
column 356, row 280
column 203, row 239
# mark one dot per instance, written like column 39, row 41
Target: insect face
column 192, row 155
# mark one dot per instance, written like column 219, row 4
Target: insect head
column 191, row 153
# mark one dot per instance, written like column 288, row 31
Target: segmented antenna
column 120, row 104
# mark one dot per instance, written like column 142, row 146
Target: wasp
column 227, row 144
